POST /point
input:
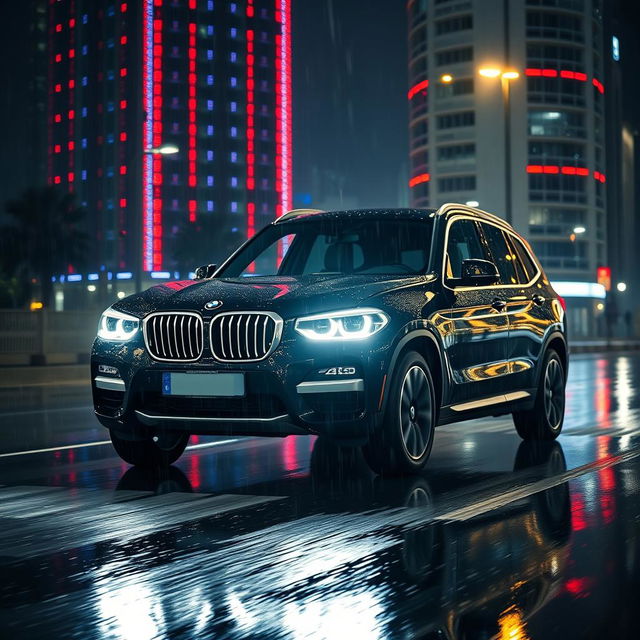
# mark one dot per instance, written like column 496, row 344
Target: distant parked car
column 370, row 327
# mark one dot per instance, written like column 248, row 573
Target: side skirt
column 496, row 405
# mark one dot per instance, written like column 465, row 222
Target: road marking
column 202, row 445
column 34, row 411
column 496, row 502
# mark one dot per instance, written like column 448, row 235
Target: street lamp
column 579, row 230
column 165, row 149
column 621, row 287
column 447, row 78
column 506, row 76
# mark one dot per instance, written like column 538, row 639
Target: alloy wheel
column 416, row 414
column 554, row 394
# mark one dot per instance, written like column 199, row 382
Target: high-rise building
column 23, row 66
column 507, row 112
column 171, row 121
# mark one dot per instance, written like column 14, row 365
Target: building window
column 457, row 152
column 557, row 153
column 555, row 56
column 451, row 25
column 554, row 26
column 420, row 133
column 556, row 91
column 459, row 119
column 457, row 183
column 460, row 87
column 555, row 221
column 573, row 5
column 454, row 56
column 557, row 124
column 557, row 188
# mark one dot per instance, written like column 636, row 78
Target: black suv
column 370, row 327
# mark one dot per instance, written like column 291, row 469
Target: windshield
column 335, row 246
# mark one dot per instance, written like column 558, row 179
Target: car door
column 510, row 292
column 476, row 343
column 530, row 315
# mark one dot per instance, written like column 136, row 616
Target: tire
column 149, row 453
column 544, row 421
column 403, row 442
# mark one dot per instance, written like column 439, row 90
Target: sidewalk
column 39, row 376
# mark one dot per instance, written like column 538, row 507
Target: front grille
column 244, row 336
column 174, row 336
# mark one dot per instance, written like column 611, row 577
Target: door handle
column 498, row 304
column 538, row 299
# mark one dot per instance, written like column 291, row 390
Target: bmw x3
column 369, row 327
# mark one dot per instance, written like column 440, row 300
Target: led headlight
column 115, row 325
column 352, row 324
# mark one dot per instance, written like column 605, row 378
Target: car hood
column 289, row 297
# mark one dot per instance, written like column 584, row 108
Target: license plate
column 221, row 385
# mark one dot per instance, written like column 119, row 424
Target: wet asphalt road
column 294, row 538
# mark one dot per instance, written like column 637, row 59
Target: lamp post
column 506, row 76
column 166, row 149
column 573, row 236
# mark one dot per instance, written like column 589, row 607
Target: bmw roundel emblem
column 213, row 304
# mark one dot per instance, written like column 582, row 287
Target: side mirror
column 478, row 273
column 205, row 271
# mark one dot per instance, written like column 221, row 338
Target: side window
column 501, row 253
column 463, row 243
column 524, row 259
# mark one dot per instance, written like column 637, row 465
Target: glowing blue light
column 74, row 277
column 124, row 275
column 92, row 276
column 160, row 275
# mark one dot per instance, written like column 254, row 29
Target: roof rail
column 297, row 212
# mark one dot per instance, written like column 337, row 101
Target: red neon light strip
column 417, row 88
column 284, row 186
column 554, row 73
column 419, row 179
column 555, row 169
column 600, row 177
column 251, row 134
column 598, row 85
column 192, row 178
column 157, row 141
column 71, row 113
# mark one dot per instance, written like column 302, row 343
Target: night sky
column 350, row 106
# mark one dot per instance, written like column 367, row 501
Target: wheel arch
column 429, row 347
column 556, row 341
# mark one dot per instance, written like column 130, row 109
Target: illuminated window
column 233, row 81
column 209, row 181
column 209, row 79
column 209, row 54
column 209, row 129
column 209, row 205
column 210, row 105
column 209, row 155
column 234, row 207
column 233, row 132
column 233, row 56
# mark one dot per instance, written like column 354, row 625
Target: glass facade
column 209, row 78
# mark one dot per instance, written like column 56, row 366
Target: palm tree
column 44, row 237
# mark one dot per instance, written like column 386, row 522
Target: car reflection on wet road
column 295, row 538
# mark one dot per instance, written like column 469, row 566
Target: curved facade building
column 506, row 112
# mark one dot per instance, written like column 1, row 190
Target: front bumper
column 301, row 388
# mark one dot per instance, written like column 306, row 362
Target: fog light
column 105, row 368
